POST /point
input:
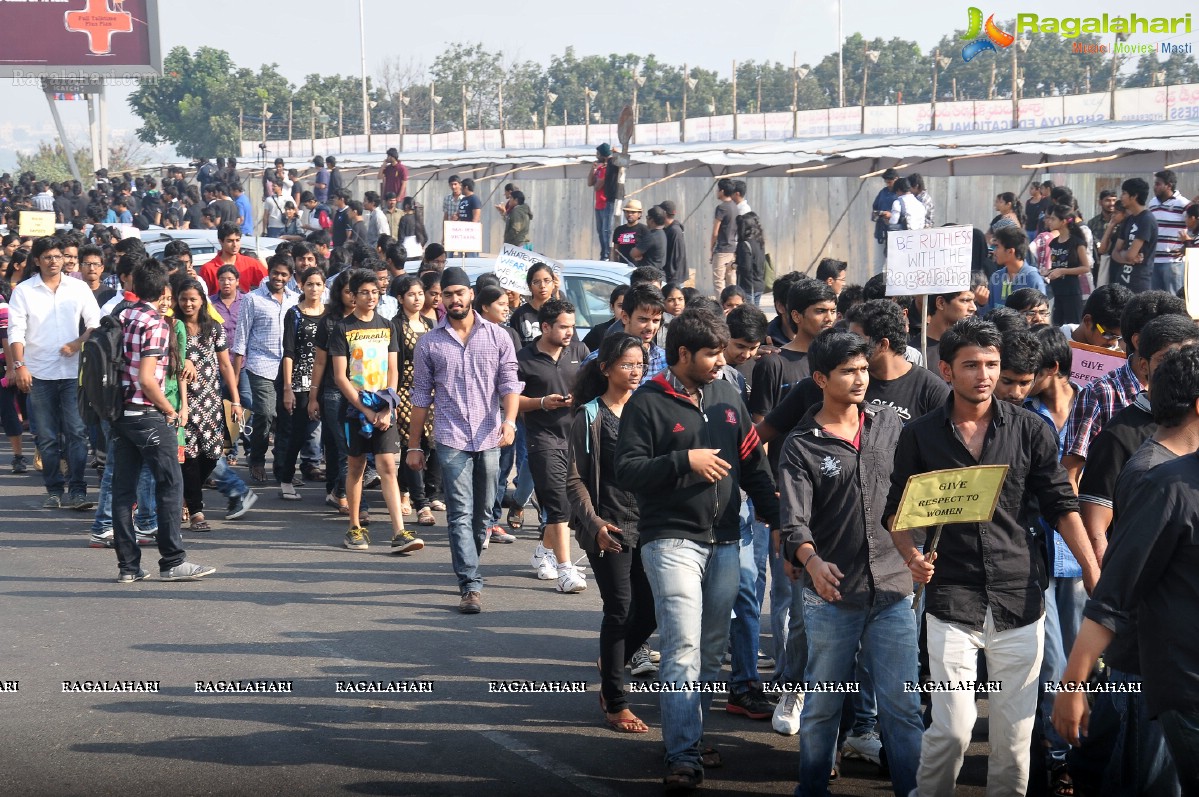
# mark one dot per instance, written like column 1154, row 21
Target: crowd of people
column 698, row 454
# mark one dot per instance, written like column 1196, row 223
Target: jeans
column 54, row 402
column 1182, row 736
column 603, row 228
column 266, row 410
column 884, row 638
column 469, row 478
column 1124, row 752
column 628, row 618
column 747, row 610
column 780, row 616
column 335, row 442
column 146, row 439
column 694, row 586
column 147, row 505
column 1064, row 599
column 507, row 460
column 228, row 483
column 1013, row 659
column 300, row 429
column 1167, row 277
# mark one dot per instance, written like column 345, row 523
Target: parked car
column 204, row 244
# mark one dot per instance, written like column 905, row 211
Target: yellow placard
column 957, row 495
column 36, row 223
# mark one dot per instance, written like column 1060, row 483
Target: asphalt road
column 288, row 603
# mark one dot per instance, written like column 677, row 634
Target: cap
column 632, row 205
column 603, row 150
column 454, row 276
column 667, row 206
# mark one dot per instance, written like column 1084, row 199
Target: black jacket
column 658, row 428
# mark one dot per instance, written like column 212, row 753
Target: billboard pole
column 62, row 133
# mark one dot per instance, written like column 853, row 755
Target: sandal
column 405, row 505
column 629, row 724
column 198, row 523
column 1061, row 783
column 186, row 515
column 258, row 474
column 682, row 778
column 516, row 517
column 287, row 491
column 425, row 517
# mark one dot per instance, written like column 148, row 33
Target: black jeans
column 196, row 471
column 137, row 439
column 628, row 618
column 1181, row 729
column 300, row 429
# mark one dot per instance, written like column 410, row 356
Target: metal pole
column 840, row 60
column 1015, row 89
column 586, row 117
column 795, row 95
column 62, row 133
column 683, row 115
column 432, row 111
column 93, row 131
column 936, row 61
column 400, row 104
column 501, row 104
column 290, row 109
column 312, row 126
column 241, row 118
column 341, row 132
column 464, row 116
column 103, row 105
column 264, row 127
column 366, row 106
column 734, row 100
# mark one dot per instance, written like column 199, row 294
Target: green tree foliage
column 49, row 162
column 1178, row 68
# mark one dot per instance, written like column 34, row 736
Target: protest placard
column 36, row 223
column 935, row 260
column 513, row 264
column 1088, row 363
column 1190, row 283
column 462, row 236
column 956, row 495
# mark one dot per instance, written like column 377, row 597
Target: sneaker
column 406, row 542
column 486, row 539
column 79, row 502
column 570, row 580
column 186, row 571
column 146, row 537
column 471, row 603
column 370, row 479
column 866, row 747
column 333, row 501
column 313, row 474
column 53, row 501
column 786, row 714
column 358, row 539
column 425, row 517
column 103, row 539
column 288, row 492
column 654, row 655
column 437, row 506
column 765, row 662
column 241, row 505
column 499, row 535
column 641, row 664
column 129, row 578
column 19, row 465
column 753, row 704
column 545, row 563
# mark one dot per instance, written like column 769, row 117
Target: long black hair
column 204, row 318
column 1014, row 201
column 1073, row 223
column 334, row 308
column 591, row 382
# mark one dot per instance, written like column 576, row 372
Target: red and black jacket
column 658, row 428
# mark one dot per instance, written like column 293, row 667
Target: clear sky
column 304, row 36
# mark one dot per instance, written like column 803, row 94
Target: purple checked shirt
column 469, row 381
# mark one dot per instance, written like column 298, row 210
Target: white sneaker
column 570, row 579
column 786, row 714
column 544, row 563
column 865, row 747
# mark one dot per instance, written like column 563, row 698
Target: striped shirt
column 449, row 206
column 469, row 379
column 1096, row 404
column 259, row 335
column 1171, row 221
column 146, row 335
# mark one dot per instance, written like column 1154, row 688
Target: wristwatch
column 18, row 364
column 510, row 423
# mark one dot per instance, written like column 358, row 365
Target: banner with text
column 935, row 260
column 462, row 236
column 956, row 495
column 1088, row 363
column 513, row 264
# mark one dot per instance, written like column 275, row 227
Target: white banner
column 936, row 260
column 462, row 236
column 513, row 264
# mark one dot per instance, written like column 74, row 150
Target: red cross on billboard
column 99, row 22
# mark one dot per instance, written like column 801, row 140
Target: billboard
column 84, row 40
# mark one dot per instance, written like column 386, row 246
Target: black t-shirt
column 1112, row 448
column 103, row 294
column 932, row 361
column 543, row 376
column 1064, row 254
column 676, row 254
column 321, row 340
column 595, row 336
column 194, row 216
column 726, row 237
column 1141, row 227
column 524, row 321
column 365, row 345
column 467, row 206
column 226, row 210
column 773, row 377
column 335, row 183
column 777, row 334
column 652, row 245
column 625, row 238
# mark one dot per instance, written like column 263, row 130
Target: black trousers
column 628, row 618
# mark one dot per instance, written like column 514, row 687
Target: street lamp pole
column 366, row 108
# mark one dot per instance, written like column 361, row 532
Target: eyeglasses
column 1110, row 337
column 631, row 367
column 369, row 294
column 1037, row 314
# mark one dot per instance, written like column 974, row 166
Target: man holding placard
column 986, row 590
column 857, row 601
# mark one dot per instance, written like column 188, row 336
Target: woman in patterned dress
column 410, row 323
column 207, row 350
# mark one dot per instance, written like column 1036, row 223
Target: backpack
column 100, row 364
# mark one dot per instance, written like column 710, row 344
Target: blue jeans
column 1124, row 751
column 886, row 636
column 147, row 505
column 780, row 616
column 603, row 228
column 335, row 442
column 469, row 480
column 1167, row 277
column 54, row 402
column 267, row 406
column 228, row 483
column 507, row 459
column 1064, row 599
column 747, row 621
column 694, row 586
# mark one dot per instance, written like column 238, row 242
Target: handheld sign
column 462, row 236
column 934, row 260
column 1190, row 282
column 957, row 495
column 513, row 264
column 1088, row 363
column 36, row 223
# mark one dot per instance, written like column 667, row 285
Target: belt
column 138, row 413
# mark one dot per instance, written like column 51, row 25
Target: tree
column 1178, row 68
column 49, row 161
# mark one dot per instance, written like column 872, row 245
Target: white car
column 204, row 244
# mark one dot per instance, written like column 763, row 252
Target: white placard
column 462, row 236
column 513, row 264
column 1190, row 283
column 934, row 260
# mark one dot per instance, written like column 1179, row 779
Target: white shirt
column 376, row 225
column 913, row 207
column 45, row 321
column 274, row 207
column 743, row 208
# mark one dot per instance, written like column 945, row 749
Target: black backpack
column 100, row 364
